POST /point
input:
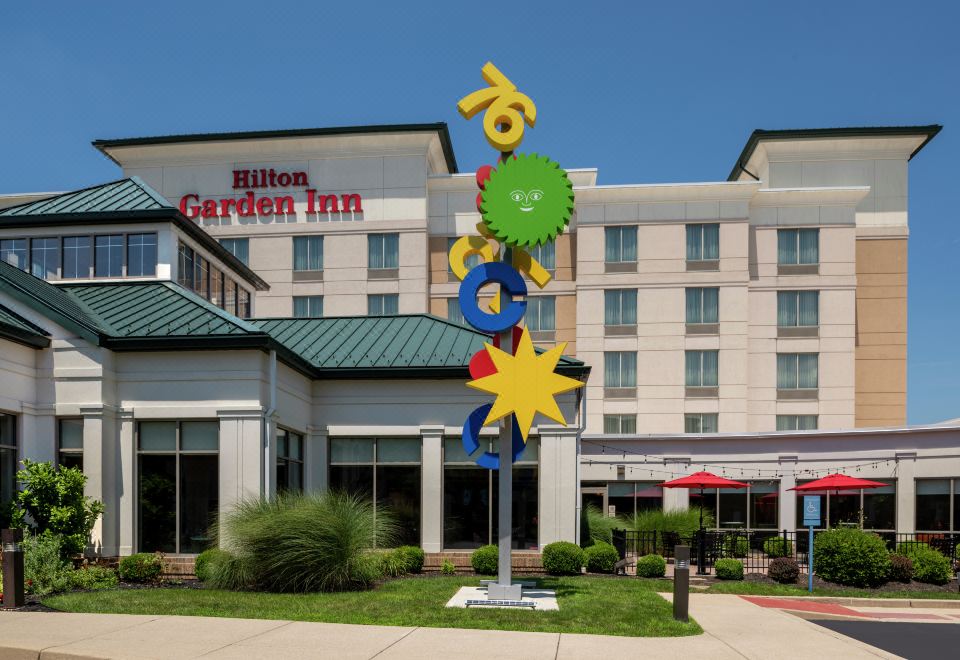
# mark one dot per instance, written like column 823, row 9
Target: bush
column 141, row 567
column 601, row 558
column 651, row 566
column 412, row 556
column 729, row 569
column 447, row 567
column 303, row 542
column 562, row 558
column 599, row 526
column 929, row 565
column 901, row 568
column 204, row 565
column 392, row 563
column 92, row 578
column 783, row 570
column 52, row 499
column 851, row 557
column 736, row 546
column 44, row 569
column 485, row 559
column 777, row 546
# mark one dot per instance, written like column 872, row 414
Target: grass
column 601, row 606
column 761, row 589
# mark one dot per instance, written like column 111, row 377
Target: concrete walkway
column 735, row 628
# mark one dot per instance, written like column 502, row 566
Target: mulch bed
column 949, row 587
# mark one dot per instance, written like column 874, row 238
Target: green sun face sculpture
column 527, row 201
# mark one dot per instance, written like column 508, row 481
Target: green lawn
column 602, row 606
column 761, row 589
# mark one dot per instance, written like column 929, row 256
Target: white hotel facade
column 755, row 326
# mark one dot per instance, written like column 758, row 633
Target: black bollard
column 701, row 552
column 12, row 568
column 681, row 583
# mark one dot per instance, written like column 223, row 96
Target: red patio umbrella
column 703, row 480
column 839, row 482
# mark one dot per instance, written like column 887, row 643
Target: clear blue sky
column 646, row 92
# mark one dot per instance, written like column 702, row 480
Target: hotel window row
column 83, row 257
column 705, row 423
column 197, row 274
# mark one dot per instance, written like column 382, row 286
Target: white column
column 787, row 498
column 127, row 482
column 676, row 499
column 241, row 456
column 101, row 465
column 316, row 459
column 559, row 492
column 906, row 491
column 38, row 433
column 431, row 493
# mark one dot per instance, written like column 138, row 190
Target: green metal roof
column 16, row 328
column 125, row 195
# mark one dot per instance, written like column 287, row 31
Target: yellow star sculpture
column 525, row 384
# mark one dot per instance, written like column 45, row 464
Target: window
column 178, row 489
column 619, row 369
column 8, row 459
column 243, row 303
column 384, row 251
column 798, row 247
column 108, row 257
column 454, row 313
column 385, row 470
column 619, row 423
column 796, row 422
column 240, row 248
column 382, row 304
column 620, row 244
column 185, row 269
column 541, row 313
column 76, row 257
column 230, row 295
column 201, row 272
column 877, row 506
column 703, row 242
column 753, row 507
column 470, row 497
column 798, row 308
column 620, row 307
column 14, row 252
column 308, row 307
column 308, row 253
column 626, row 498
column 703, row 305
column 45, row 257
column 935, row 500
column 70, row 443
column 216, row 286
column 701, row 368
column 546, row 255
column 797, row 371
column 471, row 261
column 141, row 255
column 700, row 422
column 289, row 461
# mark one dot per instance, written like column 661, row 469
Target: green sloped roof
column 16, row 328
column 124, row 196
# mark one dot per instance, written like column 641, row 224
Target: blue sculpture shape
column 471, row 439
column 513, row 285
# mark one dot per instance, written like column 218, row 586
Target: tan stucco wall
column 881, row 350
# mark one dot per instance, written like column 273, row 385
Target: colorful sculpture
column 503, row 121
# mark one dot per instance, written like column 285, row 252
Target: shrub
column 52, row 499
column 783, row 570
column 392, row 563
column 92, row 578
column 303, row 542
column 485, row 559
column 204, row 565
column 651, row 566
column 447, row 567
column 601, row 558
column 599, row 527
column 851, row 557
column 141, row 567
column 729, row 569
column 901, row 568
column 736, row 546
column 562, row 558
column 777, row 546
column 44, row 569
column 412, row 557
column 929, row 565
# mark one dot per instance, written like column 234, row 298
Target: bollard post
column 681, row 583
column 12, row 568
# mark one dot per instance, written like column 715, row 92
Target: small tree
column 51, row 501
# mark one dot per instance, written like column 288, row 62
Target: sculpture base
column 504, row 591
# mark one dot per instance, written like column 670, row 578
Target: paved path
column 735, row 628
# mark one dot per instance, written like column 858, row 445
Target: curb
column 931, row 603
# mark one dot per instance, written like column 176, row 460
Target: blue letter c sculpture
column 471, row 439
column 513, row 285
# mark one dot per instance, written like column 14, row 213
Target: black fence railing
column 755, row 548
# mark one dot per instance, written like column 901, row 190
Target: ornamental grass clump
column 851, row 557
column 651, row 566
column 599, row 527
column 303, row 543
column 562, row 558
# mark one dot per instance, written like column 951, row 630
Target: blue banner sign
column 811, row 510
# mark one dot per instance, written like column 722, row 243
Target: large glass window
column 178, row 491
column 76, row 257
column 797, row 371
column 620, row 307
column 308, row 253
column 541, row 313
column 383, row 304
column 201, row 276
column 619, row 423
column 796, row 422
column 45, row 257
column 798, row 246
column 230, row 295
column 938, row 505
column 308, row 307
column 185, row 268
column 703, row 305
column 470, row 497
column 240, row 248
column 8, row 460
column 384, row 251
column 14, row 252
column 798, row 308
column 108, row 261
column 620, row 244
column 874, row 509
column 454, row 313
column 141, row 255
column 619, row 369
column 70, row 443
column 243, row 303
column 289, row 461
column 700, row 422
column 216, row 286
column 627, row 498
column 754, row 507
column 384, row 470
column 701, row 368
column 703, row 242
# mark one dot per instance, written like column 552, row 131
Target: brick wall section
column 178, row 567
column 523, row 562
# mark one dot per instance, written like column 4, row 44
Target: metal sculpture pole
column 506, row 588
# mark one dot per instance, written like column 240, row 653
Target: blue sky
column 646, row 92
